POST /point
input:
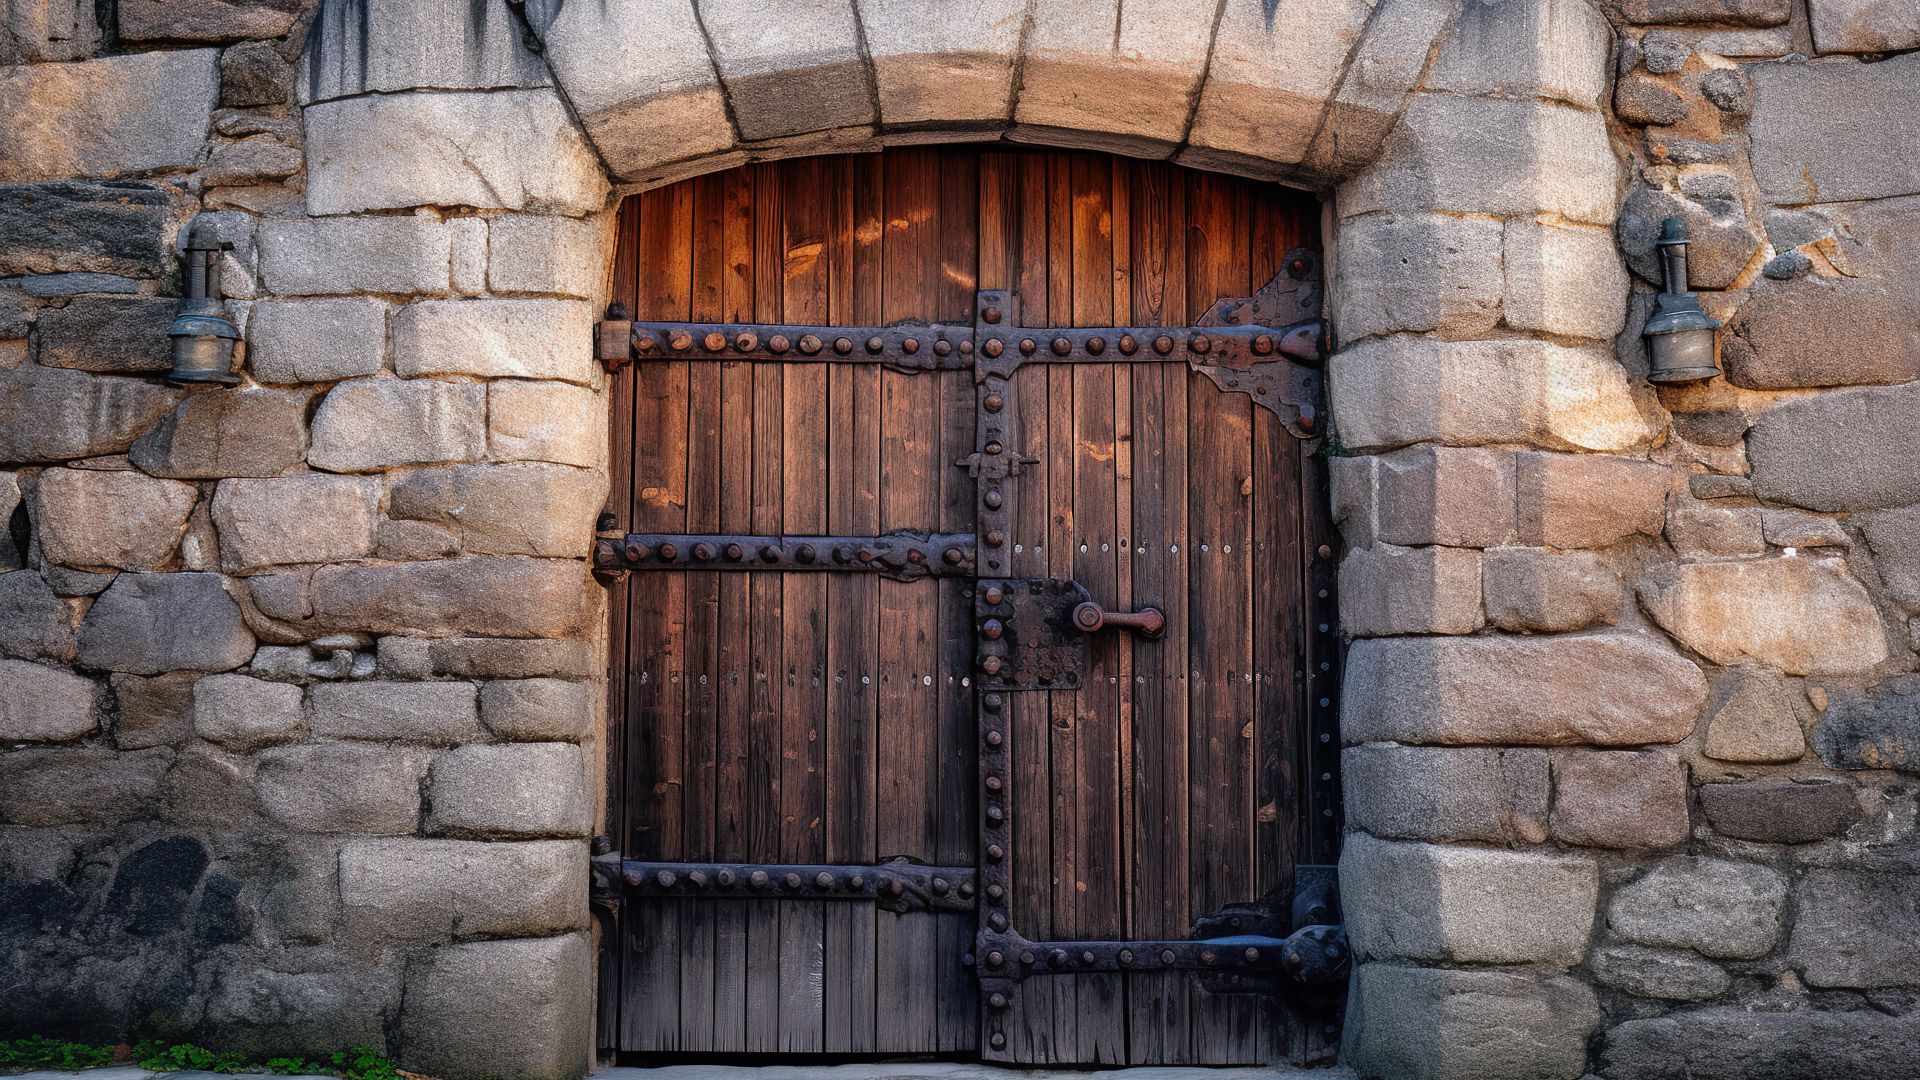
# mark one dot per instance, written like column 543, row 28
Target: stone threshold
column 947, row 1070
column 944, row 1070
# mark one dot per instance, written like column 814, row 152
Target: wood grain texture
column 829, row 717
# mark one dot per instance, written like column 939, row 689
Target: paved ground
column 922, row 1071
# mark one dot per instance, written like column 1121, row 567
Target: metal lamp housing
column 1680, row 336
column 202, row 334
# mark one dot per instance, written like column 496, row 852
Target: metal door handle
column 1148, row 622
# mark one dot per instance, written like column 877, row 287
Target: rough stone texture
column 640, row 116
column 119, row 334
column 1563, row 281
column 34, row 623
column 545, row 421
column 1387, row 64
column 525, row 790
column 511, row 150
column 1547, row 50
column 1531, row 589
column 1136, row 74
column 378, row 423
column 1864, row 26
column 520, row 1006
column 115, row 116
column 79, row 785
column 435, row 713
column 1800, row 615
column 343, row 788
column 1396, row 590
column 494, row 658
column 260, row 159
column 254, row 73
column 1736, row 12
column 47, row 414
column 1467, row 905
column 1605, row 688
column 1249, row 105
column 506, row 597
column 245, row 714
column 298, row 341
column 1779, row 810
column 1461, row 497
column 1658, row 973
column 773, row 96
column 1840, row 452
column 1726, row 910
column 221, row 433
column 388, row 45
column 44, row 704
column 1716, row 530
column 80, row 226
column 115, row 519
column 1413, row 1023
column 1442, row 794
column 153, row 712
column 1492, row 156
column 1848, row 923
column 1833, row 132
column 1723, row 242
column 1760, row 721
column 1739, row 1043
column 331, row 256
column 537, row 710
column 429, row 890
column 563, row 256
column 1638, row 99
column 1423, row 272
column 1619, row 799
column 309, row 518
column 1877, row 727
column 1391, row 392
column 1823, row 332
column 1587, row 500
column 948, row 61
column 506, row 509
column 538, row 339
column 1791, row 528
column 149, row 623
column 204, row 20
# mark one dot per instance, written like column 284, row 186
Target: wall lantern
column 202, row 334
column 1680, row 335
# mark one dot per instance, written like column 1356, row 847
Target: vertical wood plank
column 954, row 286
column 909, row 611
column 1160, row 1003
column 853, row 492
column 1096, row 892
column 735, row 651
column 658, row 615
column 765, row 766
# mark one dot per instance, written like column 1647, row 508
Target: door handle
column 1148, row 622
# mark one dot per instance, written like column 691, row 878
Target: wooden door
column 789, row 716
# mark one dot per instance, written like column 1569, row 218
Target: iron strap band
column 903, row 556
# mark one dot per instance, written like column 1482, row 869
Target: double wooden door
column 830, row 814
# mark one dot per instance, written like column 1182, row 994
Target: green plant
column 365, row 1063
column 1332, row 447
column 38, row 1052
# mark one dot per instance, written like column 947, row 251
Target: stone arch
column 1475, row 290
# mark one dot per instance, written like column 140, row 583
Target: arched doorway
column 813, row 726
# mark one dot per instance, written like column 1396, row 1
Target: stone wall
column 299, row 678
column 299, row 696
column 1630, row 769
